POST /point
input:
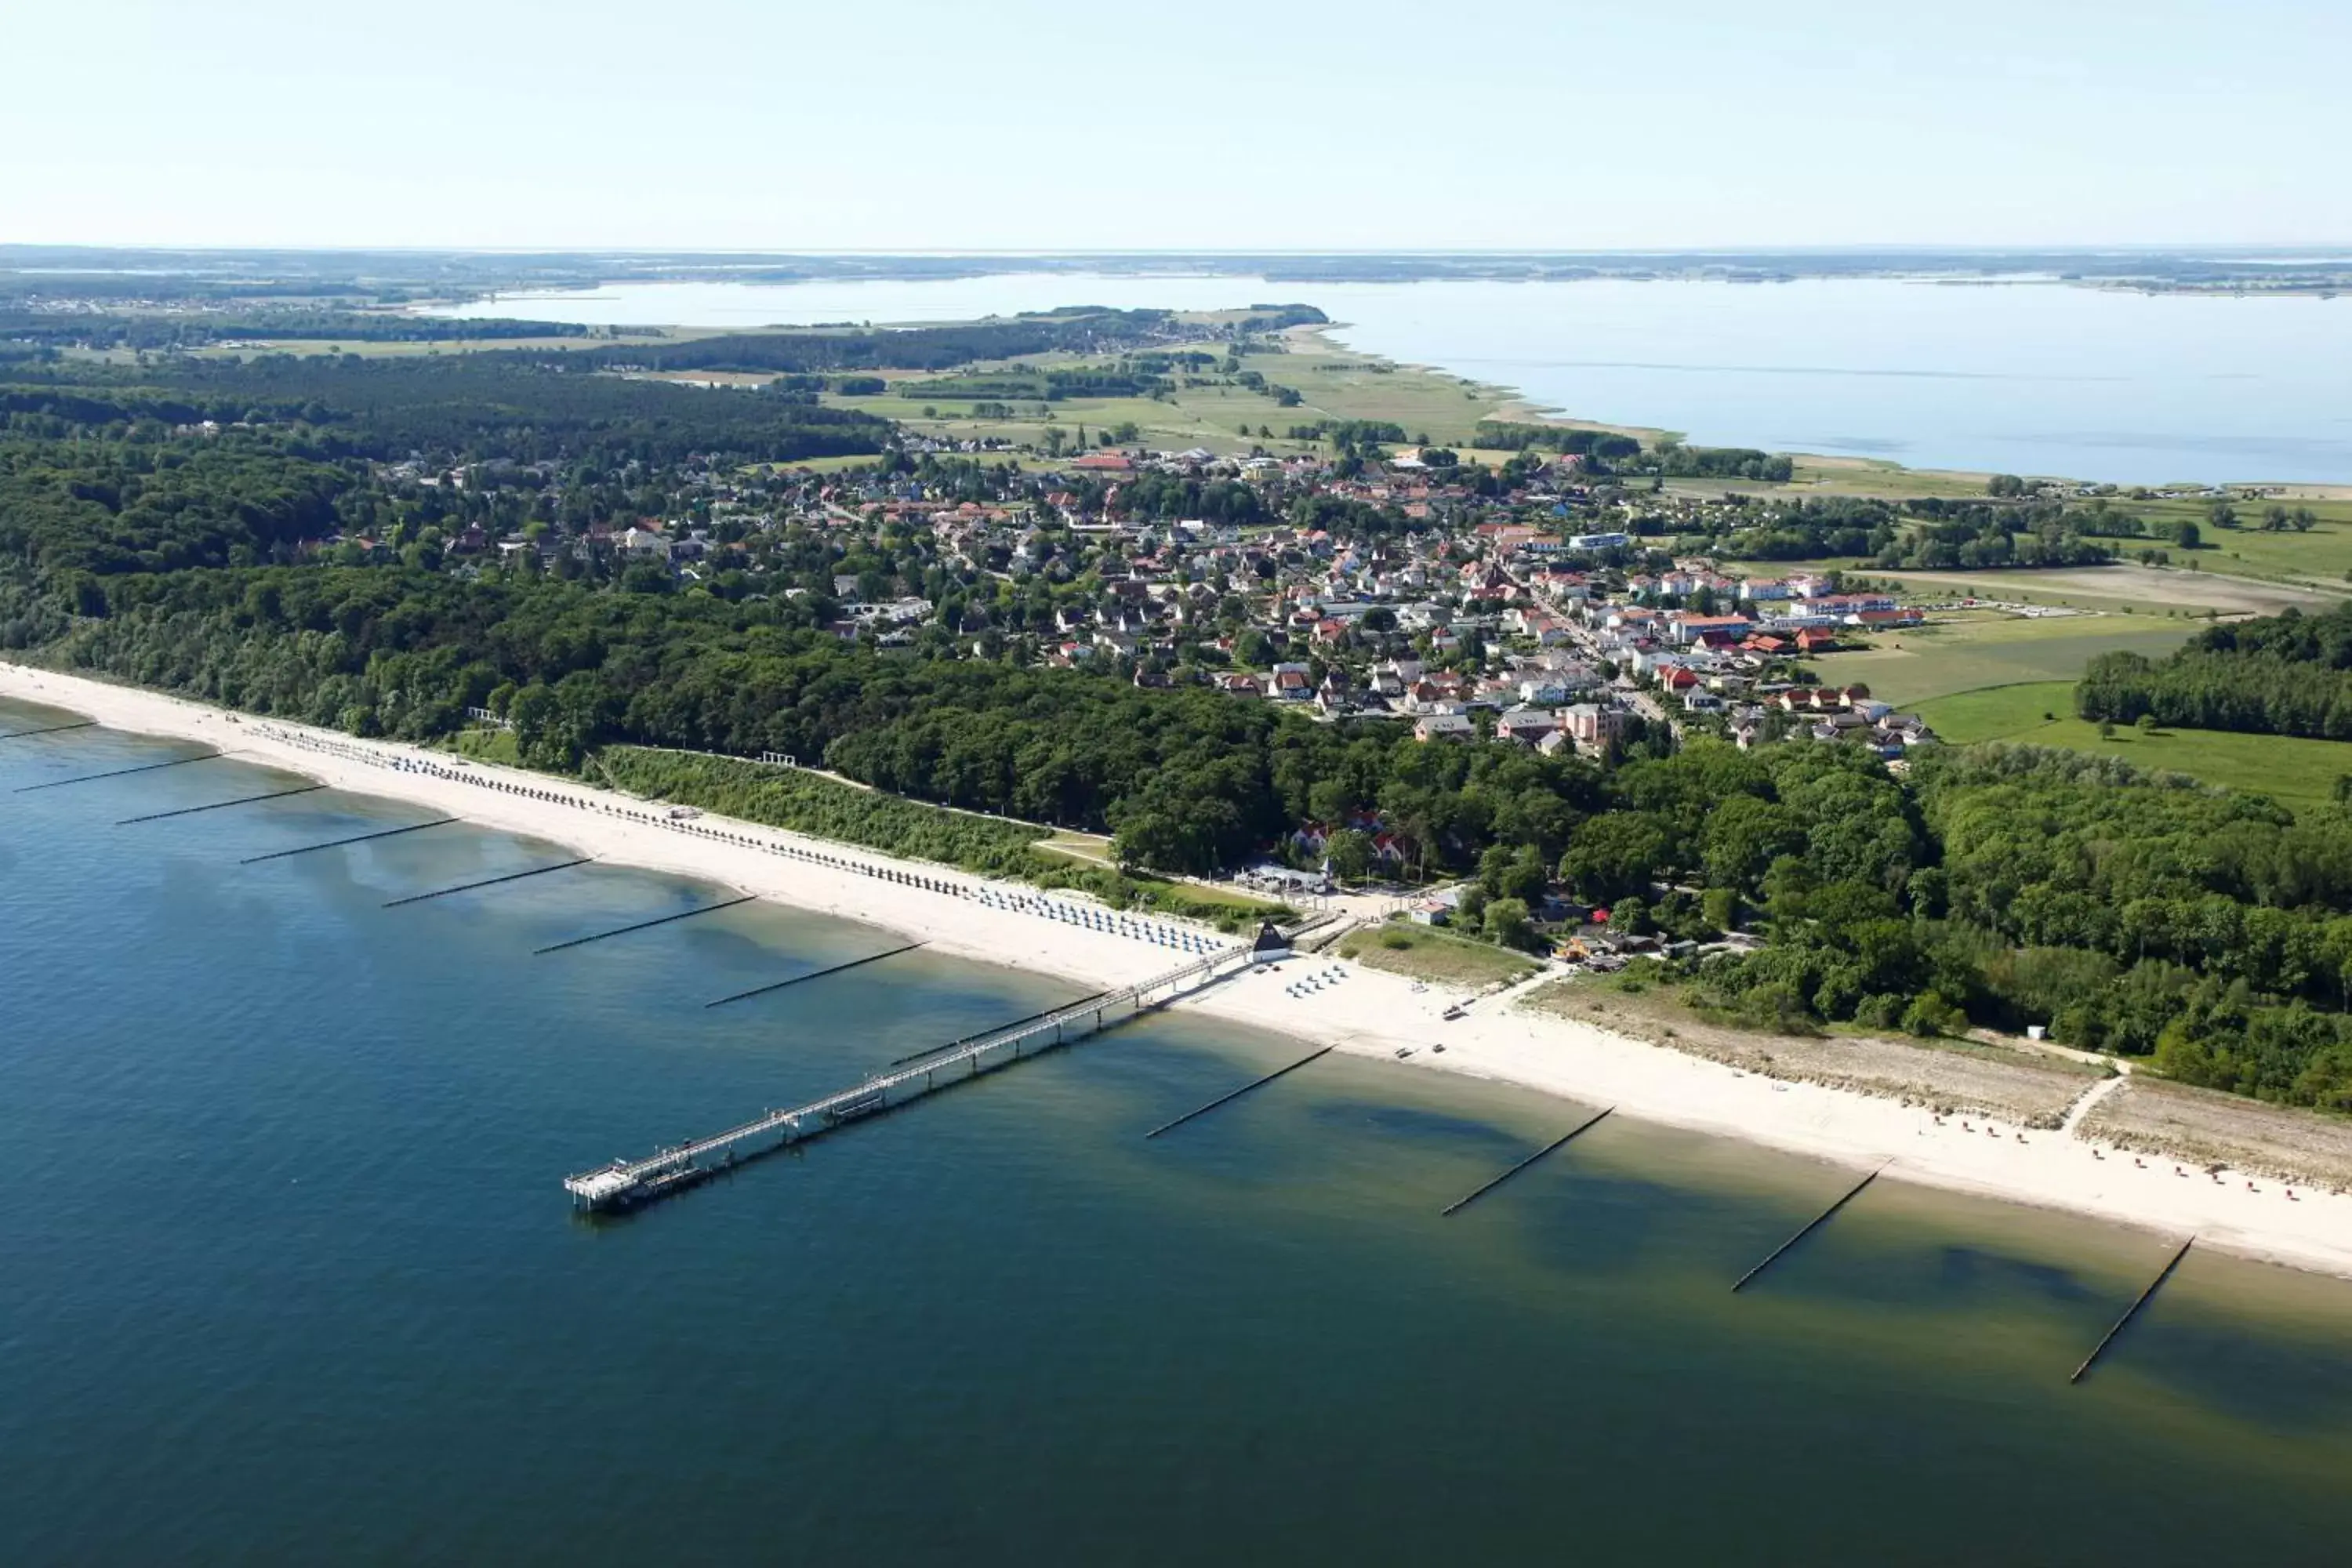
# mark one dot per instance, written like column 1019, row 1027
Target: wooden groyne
column 1811, row 1226
column 49, row 730
column 355, row 839
column 121, row 773
column 632, row 1184
column 223, row 804
column 1560, row 1142
column 1229, row 1097
column 815, row 975
column 489, row 882
column 2132, row 1311
column 646, row 925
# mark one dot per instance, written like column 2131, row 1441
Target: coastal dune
column 1320, row 1000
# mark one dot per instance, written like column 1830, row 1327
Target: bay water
column 286, row 1274
column 2012, row 375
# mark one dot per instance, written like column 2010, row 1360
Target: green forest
column 2289, row 674
column 2210, row 932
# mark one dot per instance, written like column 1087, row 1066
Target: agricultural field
column 2290, row 769
column 2127, row 589
column 1966, row 650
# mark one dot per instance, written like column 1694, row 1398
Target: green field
column 1973, row 649
column 1332, row 384
column 2293, row 771
column 1338, row 384
column 1426, row 955
column 1870, row 478
column 2322, row 555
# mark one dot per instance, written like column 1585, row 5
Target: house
column 1590, row 725
column 643, row 541
column 1442, row 727
column 1690, row 629
column 1526, row 725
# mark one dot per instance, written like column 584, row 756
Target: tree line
column 2289, row 674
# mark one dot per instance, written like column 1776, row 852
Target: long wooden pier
column 632, row 1184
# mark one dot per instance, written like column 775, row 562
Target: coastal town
column 1406, row 587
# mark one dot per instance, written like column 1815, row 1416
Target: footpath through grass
column 2289, row 769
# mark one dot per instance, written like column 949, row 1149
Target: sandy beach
column 1353, row 1007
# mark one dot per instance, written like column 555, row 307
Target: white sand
column 1365, row 1011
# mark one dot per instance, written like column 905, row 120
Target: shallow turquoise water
column 287, row 1273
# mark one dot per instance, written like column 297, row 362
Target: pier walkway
column 630, row 1183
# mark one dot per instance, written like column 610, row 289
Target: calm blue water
column 286, row 1274
column 2014, row 378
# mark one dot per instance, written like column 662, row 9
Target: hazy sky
column 1300, row 124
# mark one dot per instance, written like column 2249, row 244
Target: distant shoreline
column 1517, row 407
column 1368, row 1011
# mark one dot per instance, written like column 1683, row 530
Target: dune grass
column 1426, row 955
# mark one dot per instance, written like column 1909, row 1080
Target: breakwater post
column 814, row 974
column 1557, row 1142
column 221, row 804
column 120, row 773
column 49, row 730
column 1235, row 1094
column 2132, row 1311
column 489, row 882
column 649, row 925
column 1815, row 1223
column 355, row 839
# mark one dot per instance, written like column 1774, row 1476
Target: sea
column 287, row 1275
column 2025, row 376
